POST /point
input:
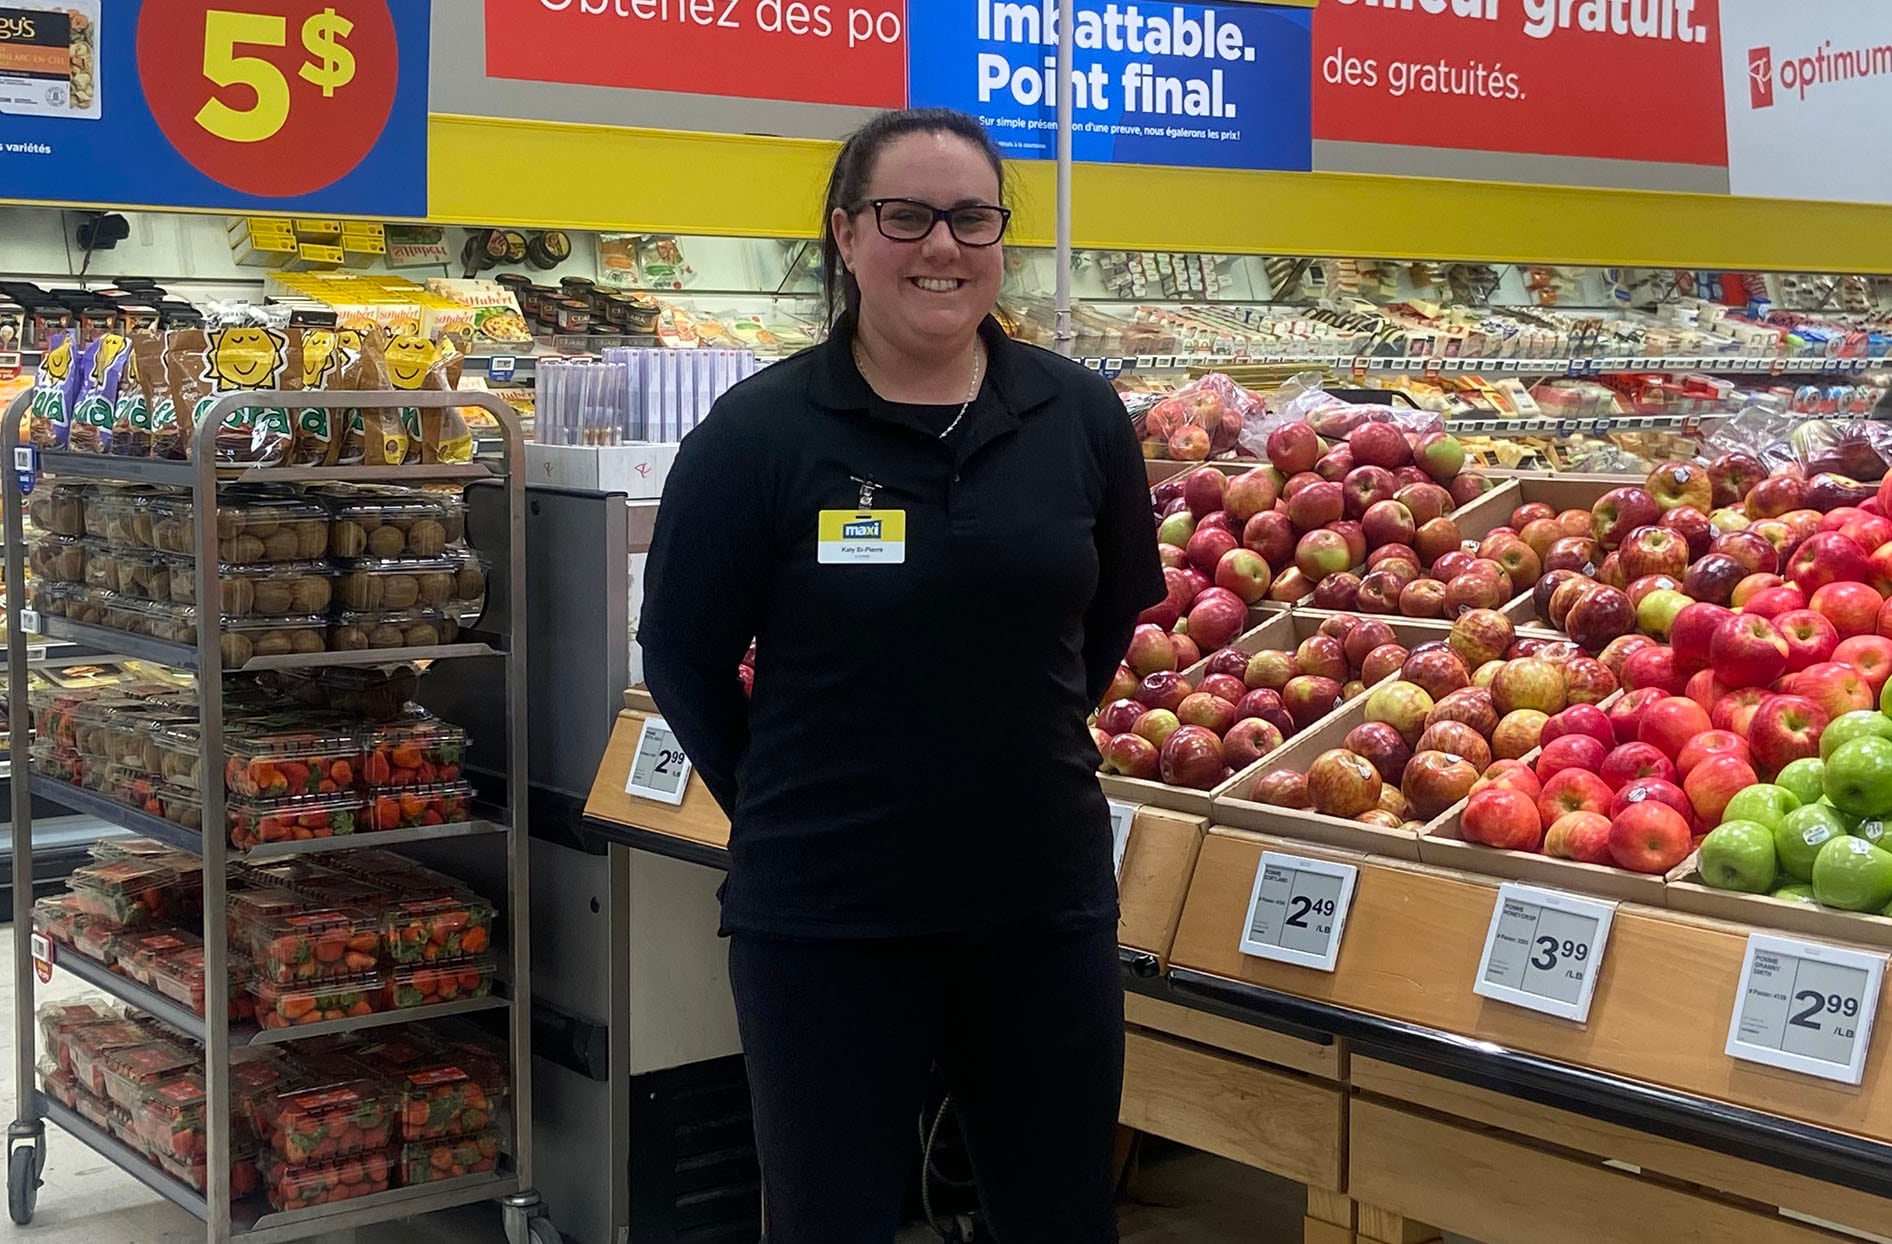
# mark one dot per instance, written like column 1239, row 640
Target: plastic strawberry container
column 395, row 872
column 255, row 822
column 429, row 1161
column 130, row 1070
column 58, row 1083
column 180, row 977
column 245, row 1178
column 417, row 985
column 290, row 1187
column 53, row 711
column 261, row 899
column 127, row 892
column 423, row 626
column 256, row 1075
column 319, row 943
column 419, row 750
column 136, row 952
column 59, row 1020
column 291, row 754
column 315, row 1123
column 54, row 915
column 451, row 1097
column 312, row 1002
column 60, row 763
column 342, row 890
column 107, row 1116
column 86, row 1047
column 147, row 849
column 444, row 803
column 94, row 936
column 437, row 928
column 169, row 1117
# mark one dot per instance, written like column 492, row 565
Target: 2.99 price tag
column 1543, row 950
column 1297, row 911
column 1122, row 817
column 659, row 769
column 1806, row 1007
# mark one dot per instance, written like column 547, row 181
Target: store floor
column 1177, row 1197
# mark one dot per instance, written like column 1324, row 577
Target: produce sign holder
column 503, row 495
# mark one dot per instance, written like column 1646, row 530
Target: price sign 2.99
column 659, row 769
column 276, row 99
column 1806, row 1007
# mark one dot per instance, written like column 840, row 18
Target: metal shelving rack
column 524, row 1214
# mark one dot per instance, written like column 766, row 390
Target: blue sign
column 305, row 106
column 1207, row 86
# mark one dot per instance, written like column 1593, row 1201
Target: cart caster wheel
column 543, row 1232
column 23, row 1167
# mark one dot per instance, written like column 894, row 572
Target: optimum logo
column 865, row 530
column 1760, row 78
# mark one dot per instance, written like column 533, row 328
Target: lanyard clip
column 868, row 488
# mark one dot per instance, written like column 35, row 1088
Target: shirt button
column 955, row 477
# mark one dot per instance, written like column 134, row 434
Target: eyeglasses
column 909, row 220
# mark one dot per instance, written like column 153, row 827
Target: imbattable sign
column 659, row 769
column 1806, row 1007
column 1297, row 911
column 1543, row 950
column 1122, row 817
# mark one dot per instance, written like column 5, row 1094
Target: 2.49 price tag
column 1543, row 950
column 1806, row 1007
column 659, row 769
column 1297, row 911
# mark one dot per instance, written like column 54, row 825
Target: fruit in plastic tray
column 311, row 1002
column 419, row 751
column 58, row 1083
column 127, row 892
column 59, row 1020
column 314, row 1124
column 307, row 945
column 180, row 977
column 433, row 984
column 105, row 1115
column 245, row 1180
column 136, row 952
column 440, row 928
column 443, row 804
column 93, row 936
column 291, row 754
column 169, row 1117
column 293, row 820
column 450, row 1158
column 86, row 1046
column 256, row 1076
column 129, row 1070
column 448, row 1099
column 53, row 916
column 291, row 1187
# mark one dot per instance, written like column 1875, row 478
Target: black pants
column 840, row 1038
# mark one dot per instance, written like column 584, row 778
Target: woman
column 939, row 540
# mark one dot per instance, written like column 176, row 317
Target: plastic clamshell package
column 130, row 1070
column 121, row 515
column 437, row 928
column 418, row 750
column 415, row 985
column 93, row 937
column 59, row 1020
column 251, row 527
column 392, row 522
column 261, row 589
column 311, row 1002
column 58, row 1083
column 294, row 820
column 425, row 1162
column 54, row 916
column 138, row 574
column 245, row 1180
column 291, row 1187
column 451, row 1098
column 138, row 952
column 245, row 907
column 169, row 1117
column 86, row 1046
column 180, row 977
column 374, row 692
column 444, row 803
column 125, row 891
column 318, row 1122
column 355, row 630
column 291, row 754
column 256, row 1076
column 60, row 559
column 53, row 710
column 60, row 509
column 105, row 1115
column 323, row 943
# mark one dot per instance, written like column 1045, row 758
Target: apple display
column 1192, row 758
column 1343, row 784
column 1649, row 837
column 1434, row 781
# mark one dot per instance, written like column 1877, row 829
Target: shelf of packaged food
column 58, row 462
column 184, row 656
column 1112, row 365
column 146, row 999
column 121, row 1155
column 247, row 1035
column 268, row 1228
column 102, row 806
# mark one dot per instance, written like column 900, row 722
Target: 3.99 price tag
column 1543, row 950
column 1122, row 817
column 1806, row 1007
column 1297, row 911
column 659, row 769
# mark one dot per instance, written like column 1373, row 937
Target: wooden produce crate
column 1686, row 891
column 1158, row 862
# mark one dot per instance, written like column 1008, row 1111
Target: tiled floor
column 1178, row 1198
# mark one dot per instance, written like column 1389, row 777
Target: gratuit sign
column 303, row 105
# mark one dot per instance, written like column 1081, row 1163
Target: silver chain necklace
column 978, row 364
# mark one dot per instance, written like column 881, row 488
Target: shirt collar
column 1021, row 383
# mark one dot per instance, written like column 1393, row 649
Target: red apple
column 1157, row 725
column 1281, row 788
column 1671, row 722
column 1317, row 505
column 1709, row 744
column 1380, row 444
column 1438, row 671
column 1528, row 683
column 1572, row 790
column 1620, row 511
column 1810, row 637
column 1435, row 538
column 1192, row 757
column 1248, row 740
column 1383, row 662
column 1630, row 761
column 1439, row 455
column 1580, row 836
column 1336, row 464
column 1579, row 553
column 1517, row 733
column 1588, row 681
column 1774, row 601
column 1388, row 522
column 1511, row 775
column 1250, row 493
column 1599, row 615
column 1450, row 565
column 1692, row 525
column 1321, row 553
column 1245, row 573
column 1651, row 790
column 1852, row 608
column 1747, row 651
column 1206, row 547
column 1570, row 751
column 1223, row 686
column 1837, row 688
column 1678, row 483
column 1784, row 729
column 1123, row 684
column 1654, row 550
column 1649, row 838
column 1293, row 447
column 1523, row 515
column 1871, row 655
column 1337, row 591
column 1626, row 713
column 1217, row 616
column 1130, row 755
column 1868, row 531
column 1150, row 651
column 1752, row 586
column 1714, row 781
column 1705, row 689
column 1751, row 550
column 1203, row 490
column 1270, row 669
column 1457, row 739
column 1163, row 689
column 1343, row 784
column 1271, row 534
column 1367, row 486
column 1468, row 486
column 1379, row 593
column 1383, row 746
column 1734, row 710
column 1713, row 577
column 1775, row 495
column 1324, row 656
column 1827, row 557
column 1618, row 650
column 1692, row 632
column 1434, row 781
column 1120, row 716
column 1653, row 667
column 1422, row 598
column 1502, row 818
column 1733, row 475
column 1577, row 522
column 1427, row 501
column 1230, row 661
column 1308, row 698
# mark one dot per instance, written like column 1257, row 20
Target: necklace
column 978, row 366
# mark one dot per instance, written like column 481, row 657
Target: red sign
column 1610, row 79
column 850, row 52
column 278, row 102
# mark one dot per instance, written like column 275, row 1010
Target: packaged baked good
column 263, row 589
column 357, row 630
column 379, row 522
column 373, row 436
column 328, row 367
column 90, row 430
column 59, row 509
column 373, row 692
column 403, row 583
column 59, row 559
column 49, row 413
column 121, row 515
column 252, row 526
column 203, row 367
column 132, row 413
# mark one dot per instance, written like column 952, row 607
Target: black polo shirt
column 915, row 758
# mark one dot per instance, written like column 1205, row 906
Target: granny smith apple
column 1853, row 875
column 1739, row 856
column 1859, row 724
column 1874, row 829
column 1801, row 835
column 1797, row 893
column 1764, row 803
column 1804, row 778
column 1859, row 775
column 1846, row 819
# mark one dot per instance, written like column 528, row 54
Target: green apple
column 1861, row 723
column 1801, row 835
column 1875, row 830
column 1805, row 778
column 1657, row 612
column 1796, row 893
column 1767, row 804
column 1853, row 875
column 1739, row 856
column 1859, row 775
column 1846, row 819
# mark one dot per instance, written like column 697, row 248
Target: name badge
column 861, row 538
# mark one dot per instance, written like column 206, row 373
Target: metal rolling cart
column 498, row 648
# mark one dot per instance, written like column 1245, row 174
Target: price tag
column 29, row 621
column 1145, row 361
column 1297, row 911
column 1543, row 950
column 659, row 769
column 501, row 368
column 26, row 468
column 42, row 949
column 1113, row 368
column 1806, row 1007
column 1122, row 817
column 1165, row 362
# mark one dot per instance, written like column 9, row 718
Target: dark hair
column 847, row 183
